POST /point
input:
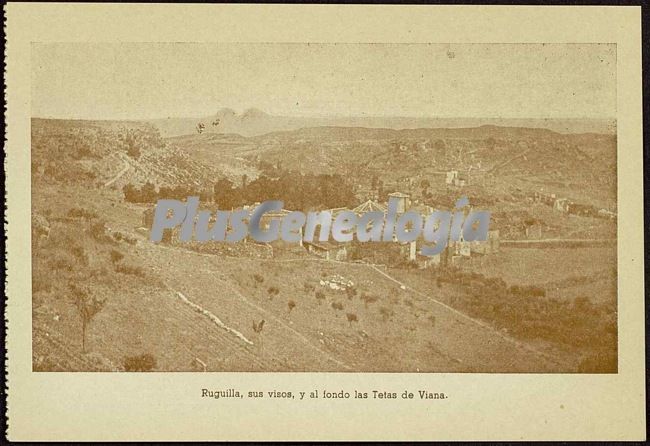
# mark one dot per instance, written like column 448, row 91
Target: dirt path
column 269, row 315
column 213, row 318
column 124, row 170
column 205, row 291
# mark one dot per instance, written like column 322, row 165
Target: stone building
column 327, row 250
column 489, row 246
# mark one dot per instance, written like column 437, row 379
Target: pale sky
column 153, row 80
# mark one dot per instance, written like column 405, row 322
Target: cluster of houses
column 455, row 252
column 456, row 178
column 565, row 205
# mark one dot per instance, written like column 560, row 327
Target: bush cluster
column 527, row 312
column 140, row 363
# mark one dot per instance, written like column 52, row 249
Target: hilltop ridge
column 256, row 122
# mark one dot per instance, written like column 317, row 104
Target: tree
column 130, row 193
column 273, row 291
column 88, row 307
column 205, row 196
column 258, row 326
column 133, row 151
column 223, row 193
column 368, row 299
column 386, row 313
column 352, row 318
column 148, row 192
column 131, row 142
column 425, row 184
column 374, row 182
column 116, row 256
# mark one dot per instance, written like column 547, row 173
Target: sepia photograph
column 526, row 132
column 323, row 222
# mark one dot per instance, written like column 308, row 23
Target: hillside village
column 354, row 306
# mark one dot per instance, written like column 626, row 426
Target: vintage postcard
column 315, row 212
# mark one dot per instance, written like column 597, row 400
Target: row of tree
column 298, row 191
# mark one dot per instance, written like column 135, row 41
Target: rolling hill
column 254, row 122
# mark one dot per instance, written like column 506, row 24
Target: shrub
column 291, row 304
column 599, row 362
column 368, row 299
column 141, row 363
column 121, row 237
column 100, row 272
column 536, row 291
column 320, row 296
column 351, row 292
column 82, row 213
column 63, row 261
column 273, row 291
column 258, row 278
column 145, row 194
column 81, row 150
column 130, row 269
column 386, row 313
column 133, row 151
column 40, row 283
column 352, row 318
column 79, row 253
column 116, row 255
column 531, row 290
column 98, row 231
column 337, row 305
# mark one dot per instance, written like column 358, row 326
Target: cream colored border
column 166, row 406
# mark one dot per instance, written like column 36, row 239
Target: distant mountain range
column 254, row 122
